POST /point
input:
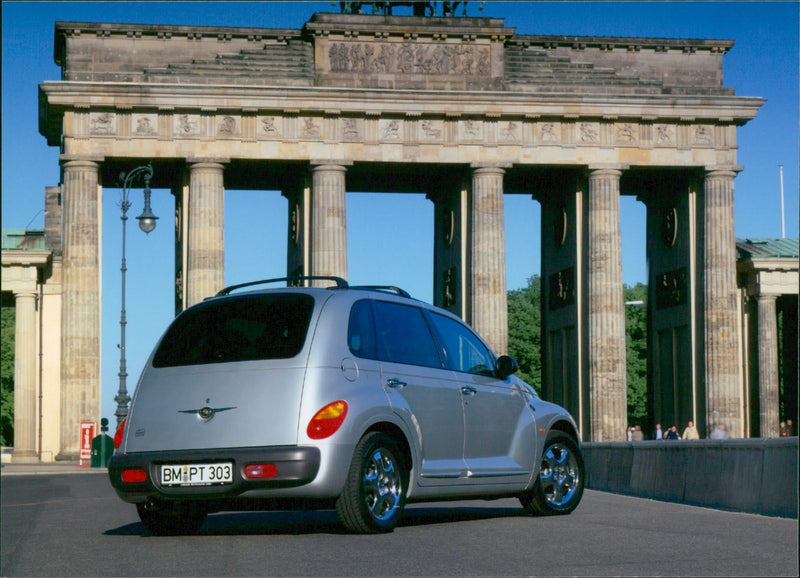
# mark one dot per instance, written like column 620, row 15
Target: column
column 80, row 320
column 205, row 252
column 298, row 195
column 768, row 366
column 25, row 379
column 328, row 221
column 450, row 200
column 723, row 392
column 488, row 312
column 607, row 386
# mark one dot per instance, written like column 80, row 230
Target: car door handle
column 467, row 390
column 395, row 383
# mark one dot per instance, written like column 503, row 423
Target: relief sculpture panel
column 405, row 58
column 145, row 124
column 102, row 123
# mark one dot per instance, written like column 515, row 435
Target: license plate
column 215, row 474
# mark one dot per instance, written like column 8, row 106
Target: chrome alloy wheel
column 559, row 475
column 382, row 484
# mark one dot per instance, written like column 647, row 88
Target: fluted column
column 607, row 387
column 768, row 366
column 723, row 392
column 205, row 251
column 488, row 299
column 328, row 221
column 80, row 319
column 25, row 379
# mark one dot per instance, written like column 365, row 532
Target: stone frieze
column 409, row 129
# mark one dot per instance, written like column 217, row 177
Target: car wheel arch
column 566, row 427
column 396, row 433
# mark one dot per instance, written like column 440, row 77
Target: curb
column 48, row 470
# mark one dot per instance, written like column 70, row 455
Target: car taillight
column 120, row 433
column 134, row 476
column 256, row 471
column 327, row 421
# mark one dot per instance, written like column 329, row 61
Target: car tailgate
column 247, row 404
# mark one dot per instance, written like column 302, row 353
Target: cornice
column 628, row 43
column 649, row 108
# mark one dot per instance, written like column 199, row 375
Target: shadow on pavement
column 322, row 521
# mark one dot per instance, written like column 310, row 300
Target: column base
column 24, row 457
column 68, row 457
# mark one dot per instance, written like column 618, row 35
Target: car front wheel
column 559, row 486
column 374, row 494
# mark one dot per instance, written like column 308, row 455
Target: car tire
column 373, row 498
column 170, row 518
column 560, row 482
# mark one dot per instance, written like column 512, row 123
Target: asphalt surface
column 62, row 520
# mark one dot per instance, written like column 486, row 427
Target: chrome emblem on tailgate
column 206, row 413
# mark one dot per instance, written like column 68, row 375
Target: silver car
column 360, row 399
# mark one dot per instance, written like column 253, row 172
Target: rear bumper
column 296, row 466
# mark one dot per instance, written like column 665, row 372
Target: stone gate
column 463, row 109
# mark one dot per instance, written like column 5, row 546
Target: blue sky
column 389, row 236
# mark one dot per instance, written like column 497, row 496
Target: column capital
column 22, row 294
column 76, row 161
column 606, row 170
column 767, row 296
column 328, row 167
column 211, row 161
column 490, row 167
column 722, row 171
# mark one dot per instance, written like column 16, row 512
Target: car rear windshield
column 242, row 328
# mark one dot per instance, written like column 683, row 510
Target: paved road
column 73, row 525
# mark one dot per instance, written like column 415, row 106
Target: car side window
column 403, row 336
column 463, row 350
column 361, row 331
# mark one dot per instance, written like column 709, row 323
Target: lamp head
column 147, row 220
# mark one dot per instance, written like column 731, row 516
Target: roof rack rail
column 387, row 288
column 290, row 282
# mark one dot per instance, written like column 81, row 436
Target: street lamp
column 147, row 223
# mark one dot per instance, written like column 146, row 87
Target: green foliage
column 524, row 331
column 636, row 353
column 7, row 376
column 525, row 341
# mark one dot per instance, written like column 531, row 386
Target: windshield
column 242, row 328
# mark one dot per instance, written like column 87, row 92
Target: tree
column 7, row 376
column 636, row 352
column 525, row 342
column 524, row 331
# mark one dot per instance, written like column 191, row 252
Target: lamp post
column 147, row 223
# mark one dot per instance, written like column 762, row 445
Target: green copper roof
column 766, row 248
column 22, row 240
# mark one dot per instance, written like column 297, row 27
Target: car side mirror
column 506, row 365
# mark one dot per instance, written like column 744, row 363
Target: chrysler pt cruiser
column 358, row 399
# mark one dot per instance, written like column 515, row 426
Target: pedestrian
column 790, row 427
column 672, row 433
column 690, row 433
column 719, row 433
column 630, row 434
column 659, row 434
column 638, row 434
column 783, row 430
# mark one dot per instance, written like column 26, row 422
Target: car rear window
column 242, row 328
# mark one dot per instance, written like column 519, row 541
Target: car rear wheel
column 374, row 494
column 559, row 486
column 171, row 518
